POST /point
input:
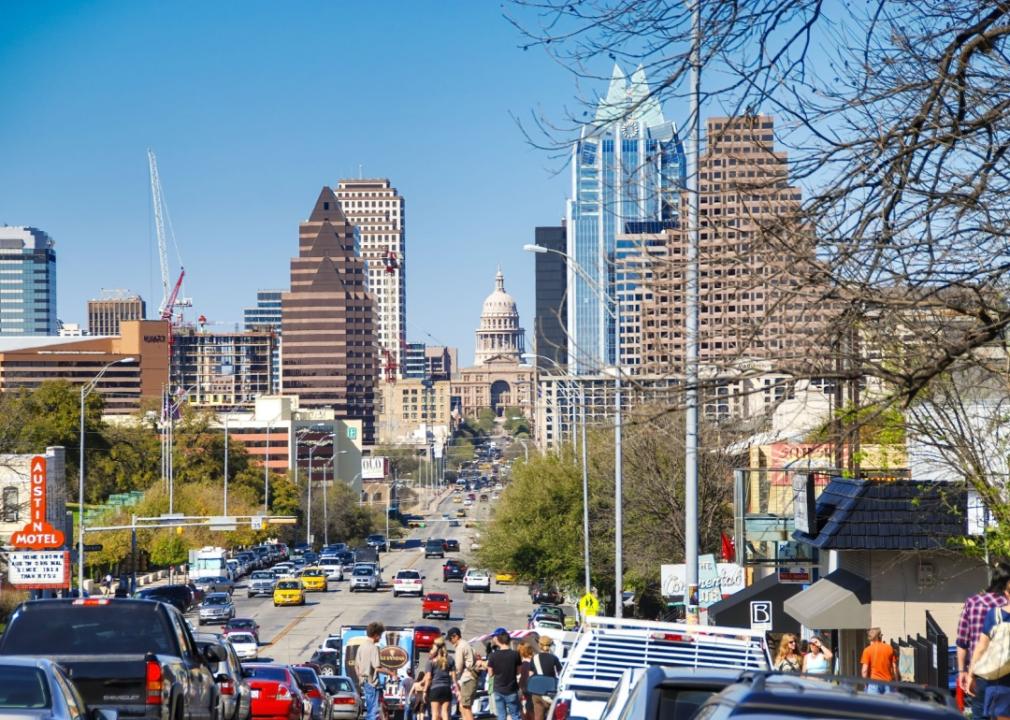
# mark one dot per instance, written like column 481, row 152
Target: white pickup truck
column 605, row 647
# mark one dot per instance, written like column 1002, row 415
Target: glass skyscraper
column 27, row 282
column 628, row 168
column 267, row 315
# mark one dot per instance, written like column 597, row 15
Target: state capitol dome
column 499, row 336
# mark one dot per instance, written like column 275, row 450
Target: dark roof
column 867, row 514
column 735, row 611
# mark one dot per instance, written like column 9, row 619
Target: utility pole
column 225, row 465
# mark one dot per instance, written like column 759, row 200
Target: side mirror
column 541, row 685
column 215, row 654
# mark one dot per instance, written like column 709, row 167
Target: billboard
column 39, row 569
column 374, row 467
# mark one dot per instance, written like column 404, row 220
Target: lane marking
column 289, row 627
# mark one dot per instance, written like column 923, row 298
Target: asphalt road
column 290, row 634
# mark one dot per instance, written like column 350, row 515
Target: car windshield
column 262, row 575
column 314, row 572
column 240, row 623
column 408, row 575
column 216, row 600
column 265, row 672
column 307, row 676
column 242, row 638
column 362, row 571
column 337, row 684
column 287, row 585
column 23, row 688
column 54, row 628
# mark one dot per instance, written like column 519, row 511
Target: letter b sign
column 761, row 615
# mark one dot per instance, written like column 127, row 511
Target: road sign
column 39, row 569
column 256, row 522
column 222, row 523
column 38, row 534
column 589, row 605
column 761, row 615
column 96, row 547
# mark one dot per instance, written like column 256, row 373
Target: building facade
column 266, row 315
column 15, row 493
column 27, row 282
column 27, row 362
column 379, row 213
column 224, row 371
column 628, row 169
column 550, row 323
column 114, row 306
column 415, row 366
column 330, row 357
column 412, row 409
column 441, row 361
column 498, row 378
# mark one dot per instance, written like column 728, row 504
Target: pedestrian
column 464, row 672
column 503, row 670
column 969, row 627
column 417, row 701
column 438, row 681
column 878, row 662
column 996, row 700
column 788, row 658
column 368, row 668
column 406, row 685
column 544, row 663
column 107, row 584
column 525, row 670
column 817, row 660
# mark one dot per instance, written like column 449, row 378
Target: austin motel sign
column 38, row 534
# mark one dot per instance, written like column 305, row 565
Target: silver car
column 345, row 703
column 215, row 584
column 261, row 582
column 216, row 608
column 364, row 577
column 234, row 693
column 33, row 688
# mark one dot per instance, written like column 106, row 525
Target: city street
column 290, row 634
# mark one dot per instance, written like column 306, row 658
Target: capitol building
column 498, row 378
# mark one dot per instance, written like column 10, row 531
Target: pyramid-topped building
column 330, row 357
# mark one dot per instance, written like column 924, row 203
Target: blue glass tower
column 628, row 169
column 27, row 282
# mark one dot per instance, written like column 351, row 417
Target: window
column 9, row 511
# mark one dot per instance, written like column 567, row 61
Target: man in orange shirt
column 879, row 662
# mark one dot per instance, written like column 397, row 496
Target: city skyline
column 239, row 149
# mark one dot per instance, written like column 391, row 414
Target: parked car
column 178, row 596
column 476, row 581
column 215, row 584
column 453, row 570
column 276, row 693
column 289, row 591
column 216, row 608
column 261, row 582
column 436, row 604
column 451, row 545
column 315, row 691
column 434, row 547
column 408, row 582
column 39, row 688
column 248, row 625
column 345, row 703
column 364, row 577
column 234, row 694
column 377, row 542
column 118, row 651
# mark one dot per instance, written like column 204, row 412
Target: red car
column 425, row 636
column 275, row 692
column 243, row 625
column 436, row 604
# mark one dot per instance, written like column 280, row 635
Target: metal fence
column 925, row 660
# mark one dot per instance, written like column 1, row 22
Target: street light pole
column 86, row 390
column 585, row 486
column 225, row 465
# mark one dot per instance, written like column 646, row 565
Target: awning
column 735, row 610
column 838, row 601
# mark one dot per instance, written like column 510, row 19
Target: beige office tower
column 760, row 298
column 114, row 306
column 377, row 210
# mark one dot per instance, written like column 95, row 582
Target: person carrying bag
column 991, row 662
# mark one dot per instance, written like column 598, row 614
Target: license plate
column 255, row 693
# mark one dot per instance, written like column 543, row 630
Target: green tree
column 168, row 548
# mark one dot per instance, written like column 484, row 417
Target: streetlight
column 308, row 516
column 86, row 390
column 614, row 310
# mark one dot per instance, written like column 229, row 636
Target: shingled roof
column 887, row 515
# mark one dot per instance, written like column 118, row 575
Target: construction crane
column 170, row 299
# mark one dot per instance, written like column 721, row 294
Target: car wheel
column 396, row 594
column 327, row 669
column 276, row 605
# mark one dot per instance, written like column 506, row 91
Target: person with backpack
column 969, row 627
column 544, row 663
column 991, row 661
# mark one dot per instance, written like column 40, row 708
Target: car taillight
column 343, row 701
column 91, row 601
column 314, row 693
column 283, row 692
column 561, row 709
column 227, row 688
column 152, row 678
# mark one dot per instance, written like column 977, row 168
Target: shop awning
column 838, row 601
column 735, row 610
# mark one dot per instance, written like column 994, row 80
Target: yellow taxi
column 314, row 579
column 457, row 498
column 289, row 592
column 505, row 578
column 461, row 513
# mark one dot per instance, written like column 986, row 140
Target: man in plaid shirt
column 970, row 626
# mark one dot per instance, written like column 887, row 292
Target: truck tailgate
column 108, row 681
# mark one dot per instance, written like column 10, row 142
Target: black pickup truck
column 136, row 657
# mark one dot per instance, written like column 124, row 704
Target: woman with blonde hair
column 788, row 658
column 438, row 681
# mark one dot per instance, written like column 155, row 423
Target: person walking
column 438, row 681
column 878, row 662
column 416, row 698
column 107, row 584
column 368, row 668
column 788, row 658
column 464, row 673
column 525, row 670
column 406, row 685
column 969, row 627
column 817, row 660
column 503, row 669
column 996, row 695
column 544, row 663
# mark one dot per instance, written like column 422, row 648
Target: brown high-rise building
column 330, row 357
column 758, row 300
column 105, row 313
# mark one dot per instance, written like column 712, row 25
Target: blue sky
column 252, row 107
